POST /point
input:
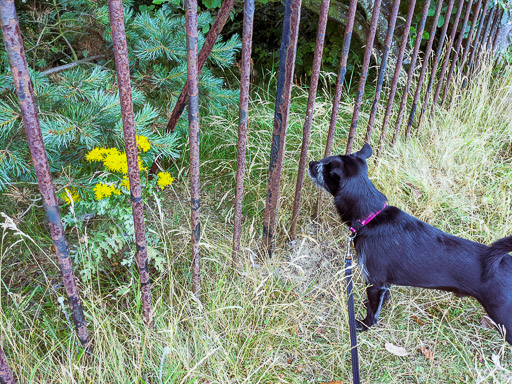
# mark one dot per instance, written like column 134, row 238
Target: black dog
column 396, row 248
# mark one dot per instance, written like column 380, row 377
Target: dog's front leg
column 377, row 296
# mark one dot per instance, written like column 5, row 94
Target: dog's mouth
column 315, row 171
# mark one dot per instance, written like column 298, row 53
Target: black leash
column 351, row 312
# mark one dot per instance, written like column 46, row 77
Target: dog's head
column 332, row 173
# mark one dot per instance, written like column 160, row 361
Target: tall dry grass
column 280, row 320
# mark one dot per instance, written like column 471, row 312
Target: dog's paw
column 360, row 326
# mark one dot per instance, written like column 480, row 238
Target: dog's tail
column 495, row 254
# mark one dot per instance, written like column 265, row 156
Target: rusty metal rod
column 458, row 45
column 497, row 33
column 424, row 66
column 342, row 70
column 492, row 31
column 213, row 35
column 469, row 39
column 475, row 45
column 287, row 52
column 193, row 133
column 382, row 69
column 437, row 58
column 485, row 36
column 315, row 74
column 19, row 68
column 481, row 43
column 6, row 376
column 364, row 75
column 491, row 21
column 396, row 75
column 412, row 67
column 130, row 141
column 448, row 52
column 245, row 78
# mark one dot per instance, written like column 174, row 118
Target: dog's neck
column 357, row 202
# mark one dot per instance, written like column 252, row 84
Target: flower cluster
column 164, row 179
column 113, row 159
column 115, row 162
column 102, row 190
column 70, row 195
column 143, row 143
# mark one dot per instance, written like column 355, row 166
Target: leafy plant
column 105, row 196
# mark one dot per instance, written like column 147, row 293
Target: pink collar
column 366, row 220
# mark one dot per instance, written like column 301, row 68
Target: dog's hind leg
column 377, row 296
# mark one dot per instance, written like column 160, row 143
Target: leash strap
column 351, row 311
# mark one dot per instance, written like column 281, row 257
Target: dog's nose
column 313, row 163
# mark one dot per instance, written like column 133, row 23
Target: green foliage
column 79, row 108
column 79, row 112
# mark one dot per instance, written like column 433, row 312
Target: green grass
column 284, row 321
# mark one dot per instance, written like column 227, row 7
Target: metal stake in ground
column 436, row 61
column 130, row 141
column 382, row 70
column 497, row 32
column 18, row 62
column 364, row 75
column 6, row 376
column 342, row 70
column 448, row 52
column 193, row 133
column 213, row 35
column 475, row 44
column 456, row 53
column 284, row 90
column 412, row 67
column 245, row 78
column 469, row 39
column 396, row 75
column 315, row 74
column 428, row 51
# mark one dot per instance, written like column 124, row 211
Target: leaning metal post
column 437, row 58
column 213, row 35
column 193, row 129
column 412, row 67
column 469, row 39
column 448, row 52
column 424, row 66
column 19, row 68
column 396, row 75
column 364, row 75
column 6, row 376
column 342, row 70
column 382, row 69
column 243, row 114
column 456, row 53
column 315, row 74
column 130, row 142
column 283, row 95
column 497, row 32
column 475, row 44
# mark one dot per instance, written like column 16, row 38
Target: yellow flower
column 143, row 143
column 96, row 154
column 115, row 161
column 164, row 179
column 70, row 192
column 125, row 183
column 102, row 190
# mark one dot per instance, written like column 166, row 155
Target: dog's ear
column 365, row 152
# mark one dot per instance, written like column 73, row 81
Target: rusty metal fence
column 459, row 51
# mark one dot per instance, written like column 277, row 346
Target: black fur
column 396, row 248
